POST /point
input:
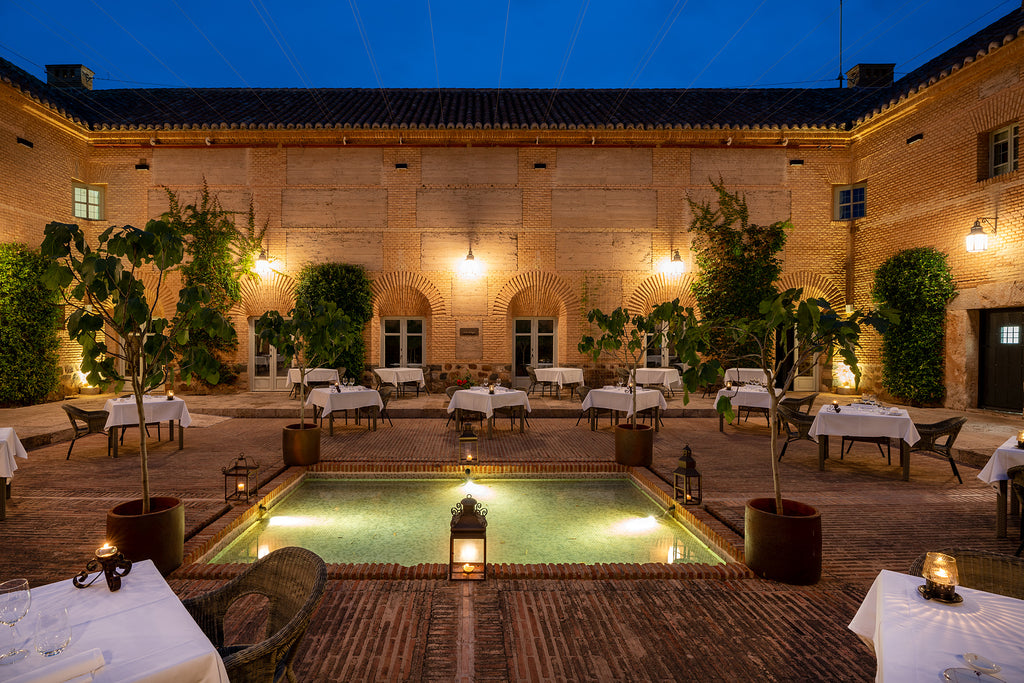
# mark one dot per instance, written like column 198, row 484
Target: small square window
column 88, row 202
column 1009, row 334
column 850, row 202
column 1003, row 151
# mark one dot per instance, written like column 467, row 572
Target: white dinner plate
column 982, row 664
column 963, row 675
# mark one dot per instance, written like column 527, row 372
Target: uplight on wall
column 977, row 238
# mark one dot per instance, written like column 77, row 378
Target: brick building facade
column 569, row 201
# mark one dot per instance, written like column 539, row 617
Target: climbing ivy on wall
column 738, row 260
column 918, row 283
column 347, row 286
column 29, row 321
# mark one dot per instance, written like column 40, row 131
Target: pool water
column 529, row 521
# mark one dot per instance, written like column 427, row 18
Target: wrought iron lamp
column 468, row 446
column 467, row 553
column 110, row 562
column 940, row 577
column 241, row 480
column 689, row 491
column 977, row 238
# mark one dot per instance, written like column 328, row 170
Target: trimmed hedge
column 29, row 320
column 917, row 283
column 347, row 286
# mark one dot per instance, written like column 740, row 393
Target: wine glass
column 53, row 633
column 15, row 599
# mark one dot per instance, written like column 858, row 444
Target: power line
column 568, row 53
column 437, row 71
column 369, row 55
column 501, row 64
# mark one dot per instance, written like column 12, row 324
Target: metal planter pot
column 784, row 548
column 300, row 444
column 634, row 447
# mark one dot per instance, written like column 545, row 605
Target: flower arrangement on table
column 463, row 382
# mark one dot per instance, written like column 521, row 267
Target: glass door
column 401, row 342
column 267, row 370
column 535, row 344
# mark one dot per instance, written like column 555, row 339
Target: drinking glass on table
column 53, row 633
column 15, row 599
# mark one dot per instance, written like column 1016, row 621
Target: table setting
column 485, row 399
column 748, row 394
column 620, row 399
column 1009, row 454
column 344, row 396
column 866, row 418
column 122, row 412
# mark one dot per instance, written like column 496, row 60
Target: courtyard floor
column 536, row 629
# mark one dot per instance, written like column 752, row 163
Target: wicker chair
column 85, row 422
column 796, row 424
column 1016, row 477
column 534, row 382
column 385, row 395
column 933, row 432
column 648, row 414
column 293, row 581
column 984, row 570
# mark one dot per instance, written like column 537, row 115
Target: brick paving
column 513, row 629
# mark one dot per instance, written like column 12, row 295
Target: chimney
column 69, row 76
column 869, row 76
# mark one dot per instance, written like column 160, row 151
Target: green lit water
column 528, row 522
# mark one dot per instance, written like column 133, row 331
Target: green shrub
column 916, row 282
column 349, row 288
column 29, row 320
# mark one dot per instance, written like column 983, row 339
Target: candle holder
column 835, row 407
column 940, row 579
column 110, row 562
column 1020, row 439
column 490, row 388
column 170, row 395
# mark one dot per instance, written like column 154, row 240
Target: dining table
column 620, row 400
column 994, row 473
column 312, row 375
column 122, row 412
column 666, row 377
column 338, row 399
column 400, row 376
column 865, row 420
column 915, row 639
column 745, row 375
column 745, row 396
column 10, row 448
column 141, row 632
column 481, row 400
column 560, row 377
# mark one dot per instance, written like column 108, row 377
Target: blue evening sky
column 481, row 44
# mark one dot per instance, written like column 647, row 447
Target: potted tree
column 627, row 339
column 782, row 538
column 124, row 341
column 311, row 334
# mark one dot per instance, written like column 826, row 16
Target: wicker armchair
column 386, row 393
column 293, row 581
column 534, row 382
column 85, row 422
column 984, row 570
column 796, row 424
column 932, row 433
column 1016, row 477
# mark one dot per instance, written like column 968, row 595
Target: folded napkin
column 77, row 668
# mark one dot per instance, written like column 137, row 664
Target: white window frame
column 1003, row 145
column 87, row 201
column 838, row 204
column 403, row 337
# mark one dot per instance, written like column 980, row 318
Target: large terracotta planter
column 634, row 447
column 784, row 548
column 300, row 444
column 158, row 535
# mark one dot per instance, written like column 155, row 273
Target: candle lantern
column 467, row 556
column 110, row 562
column 1020, row 439
column 940, row 576
column 468, row 445
column 240, row 480
column 689, row 490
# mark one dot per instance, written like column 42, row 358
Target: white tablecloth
column 122, row 412
column 614, row 398
column 1005, row 457
column 143, row 631
column 560, row 376
column 312, row 375
column 398, row 375
column 10, row 446
column 347, row 399
column 479, row 400
column 747, row 397
column 917, row 639
column 665, row 376
column 745, row 375
column 864, row 421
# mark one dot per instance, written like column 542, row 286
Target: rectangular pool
column 529, row 521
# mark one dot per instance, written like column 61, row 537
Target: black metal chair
column 932, row 433
column 85, row 422
column 796, row 424
column 293, row 581
column 1016, row 477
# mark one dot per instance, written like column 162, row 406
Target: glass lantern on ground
column 467, row 449
column 689, row 490
column 467, row 553
column 240, row 480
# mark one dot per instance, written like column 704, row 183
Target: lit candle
column 1020, row 436
column 469, row 456
column 106, row 550
column 241, row 486
column 170, row 395
column 468, row 568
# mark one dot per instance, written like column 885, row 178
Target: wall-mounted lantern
column 977, row 238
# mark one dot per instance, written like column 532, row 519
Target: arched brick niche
column 814, row 285
column 658, row 289
column 537, row 294
column 404, row 294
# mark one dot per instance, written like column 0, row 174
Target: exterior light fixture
column 977, row 238
column 468, row 446
column 689, row 491
column 940, row 577
column 469, row 267
column 467, row 556
column 263, row 263
column 676, row 265
column 241, row 480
